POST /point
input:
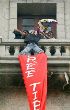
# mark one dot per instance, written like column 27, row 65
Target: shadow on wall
column 58, row 81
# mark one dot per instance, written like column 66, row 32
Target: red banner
column 34, row 73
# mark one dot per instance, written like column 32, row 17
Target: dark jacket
column 17, row 35
column 32, row 38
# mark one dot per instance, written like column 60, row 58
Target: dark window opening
column 29, row 14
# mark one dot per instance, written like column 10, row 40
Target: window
column 28, row 24
column 28, row 15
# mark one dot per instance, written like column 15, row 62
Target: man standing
column 32, row 44
column 31, row 39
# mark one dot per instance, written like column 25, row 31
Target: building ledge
column 10, row 64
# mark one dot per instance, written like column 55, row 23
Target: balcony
column 57, row 50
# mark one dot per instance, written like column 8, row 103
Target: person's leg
column 37, row 49
column 27, row 49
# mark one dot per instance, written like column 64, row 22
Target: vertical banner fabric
column 34, row 73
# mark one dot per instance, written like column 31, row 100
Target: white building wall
column 61, row 21
column 13, row 19
column 67, row 18
column 8, row 17
column 4, row 18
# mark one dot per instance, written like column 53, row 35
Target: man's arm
column 17, row 30
column 44, row 35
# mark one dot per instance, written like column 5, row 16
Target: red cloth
column 34, row 73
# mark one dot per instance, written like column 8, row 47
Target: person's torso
column 32, row 38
